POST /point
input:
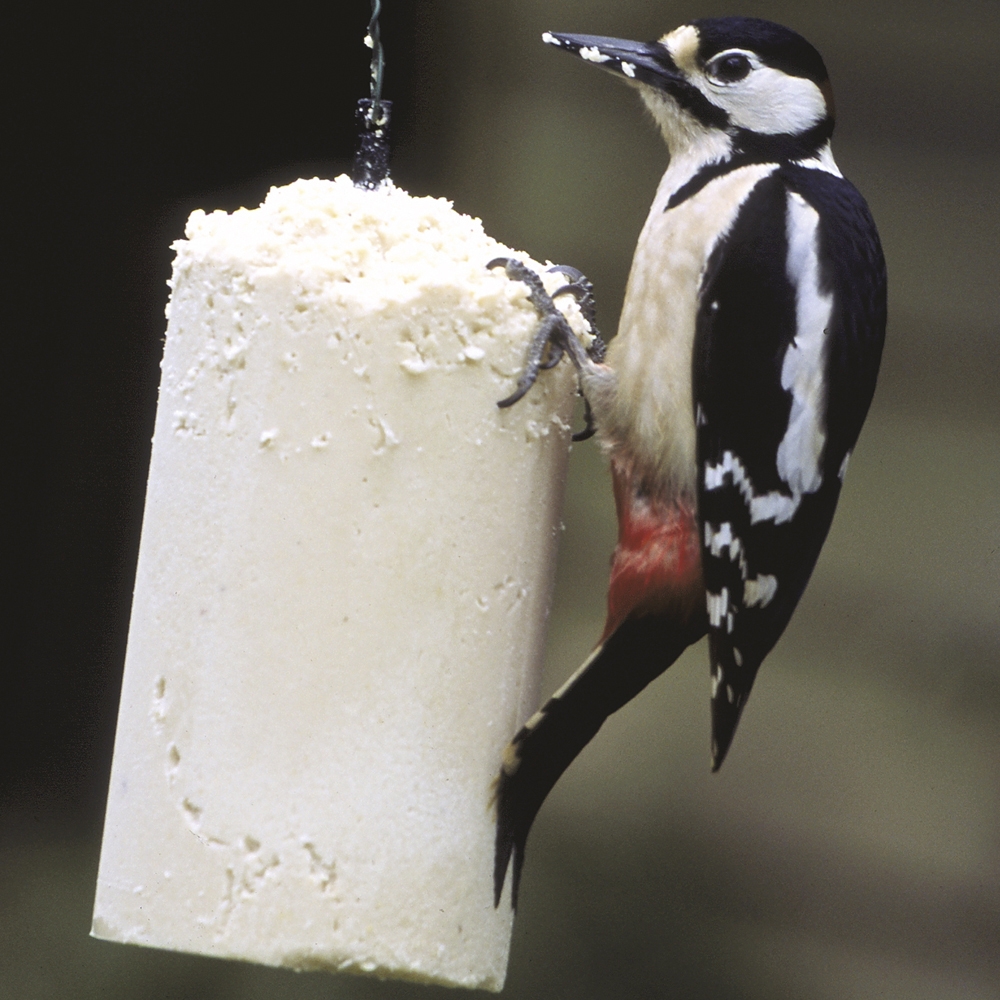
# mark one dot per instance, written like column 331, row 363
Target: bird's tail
column 636, row 653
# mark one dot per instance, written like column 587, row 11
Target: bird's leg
column 582, row 289
column 554, row 336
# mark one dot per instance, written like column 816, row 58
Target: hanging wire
column 371, row 162
column 374, row 41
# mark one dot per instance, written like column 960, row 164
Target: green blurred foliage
column 850, row 847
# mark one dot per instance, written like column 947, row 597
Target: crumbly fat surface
column 371, row 249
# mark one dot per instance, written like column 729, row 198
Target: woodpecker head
column 737, row 85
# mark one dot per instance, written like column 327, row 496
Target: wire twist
column 371, row 162
column 378, row 61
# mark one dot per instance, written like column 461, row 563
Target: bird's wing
column 789, row 333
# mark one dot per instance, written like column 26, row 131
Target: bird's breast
column 649, row 418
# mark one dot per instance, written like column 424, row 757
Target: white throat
column 691, row 144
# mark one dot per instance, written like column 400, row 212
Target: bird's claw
column 555, row 356
column 580, row 287
column 589, row 427
column 554, row 337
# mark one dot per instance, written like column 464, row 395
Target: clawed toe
column 554, row 337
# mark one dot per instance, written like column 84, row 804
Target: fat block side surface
column 340, row 601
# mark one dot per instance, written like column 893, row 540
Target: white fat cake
column 341, row 595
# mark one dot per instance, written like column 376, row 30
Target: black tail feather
column 637, row 653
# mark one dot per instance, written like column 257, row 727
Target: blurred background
column 850, row 848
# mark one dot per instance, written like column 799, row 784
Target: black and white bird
column 731, row 398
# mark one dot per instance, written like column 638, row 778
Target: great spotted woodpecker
column 732, row 396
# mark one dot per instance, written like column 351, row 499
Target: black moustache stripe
column 751, row 147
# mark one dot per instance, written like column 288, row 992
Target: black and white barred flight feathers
column 735, row 390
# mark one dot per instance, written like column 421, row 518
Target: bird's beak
column 645, row 62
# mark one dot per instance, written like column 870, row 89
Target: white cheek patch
column 768, row 101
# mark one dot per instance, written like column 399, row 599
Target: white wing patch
column 803, row 369
column 774, row 506
column 718, row 607
column 757, row 590
column 760, row 590
column 802, row 374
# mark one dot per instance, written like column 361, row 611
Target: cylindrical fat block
column 340, row 603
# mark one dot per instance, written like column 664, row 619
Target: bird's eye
column 730, row 68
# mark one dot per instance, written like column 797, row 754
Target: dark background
column 851, row 845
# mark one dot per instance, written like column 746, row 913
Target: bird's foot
column 582, row 289
column 554, row 337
